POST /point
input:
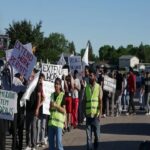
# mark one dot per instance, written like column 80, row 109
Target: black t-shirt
column 147, row 85
column 63, row 101
column 119, row 80
column 100, row 79
column 32, row 103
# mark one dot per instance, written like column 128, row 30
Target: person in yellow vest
column 93, row 110
column 57, row 117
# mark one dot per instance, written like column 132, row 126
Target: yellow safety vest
column 92, row 100
column 57, row 118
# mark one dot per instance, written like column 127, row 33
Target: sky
column 113, row 22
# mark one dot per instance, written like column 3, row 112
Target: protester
column 41, row 118
column 84, row 82
column 141, row 97
column 119, row 90
column 75, row 104
column 105, row 95
column 18, row 123
column 147, row 93
column 124, row 93
column 69, row 86
column 93, row 110
column 57, row 117
column 132, row 90
column 31, row 121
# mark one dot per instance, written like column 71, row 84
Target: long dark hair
column 58, row 80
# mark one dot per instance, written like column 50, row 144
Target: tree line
column 52, row 46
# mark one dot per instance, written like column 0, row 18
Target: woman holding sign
column 57, row 117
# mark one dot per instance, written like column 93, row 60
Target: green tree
column 71, row 48
column 91, row 54
column 106, row 53
column 53, row 46
column 25, row 32
column 82, row 51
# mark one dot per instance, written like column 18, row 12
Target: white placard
column 109, row 84
column 51, row 72
column 48, row 89
column 8, row 104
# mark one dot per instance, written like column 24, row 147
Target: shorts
column 68, row 100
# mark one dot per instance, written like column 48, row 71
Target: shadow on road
column 114, row 145
column 127, row 128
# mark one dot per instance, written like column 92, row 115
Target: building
column 4, row 42
column 128, row 61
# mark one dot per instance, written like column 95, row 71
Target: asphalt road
column 117, row 133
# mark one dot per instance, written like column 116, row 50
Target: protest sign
column 9, row 51
column 75, row 64
column 22, row 60
column 109, row 84
column 31, row 87
column 51, row 72
column 48, row 89
column 8, row 104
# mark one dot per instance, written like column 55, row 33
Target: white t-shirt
column 75, row 91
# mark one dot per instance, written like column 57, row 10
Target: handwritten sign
column 109, row 84
column 22, row 60
column 51, row 72
column 8, row 104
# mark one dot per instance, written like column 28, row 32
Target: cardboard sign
column 8, row 104
column 51, row 72
column 22, row 60
column 75, row 64
column 109, row 84
column 48, row 89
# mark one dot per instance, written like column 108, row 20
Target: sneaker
column 127, row 114
column 28, row 148
column 43, row 145
column 68, row 128
column 147, row 113
column 104, row 116
column 46, row 140
column 38, row 145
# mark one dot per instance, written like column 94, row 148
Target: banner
column 8, row 104
column 48, row 89
column 75, row 64
column 109, row 84
column 22, row 60
column 51, row 72
column 85, row 58
column 30, row 89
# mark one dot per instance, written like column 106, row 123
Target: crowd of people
column 79, row 100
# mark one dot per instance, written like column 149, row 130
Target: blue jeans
column 52, row 132
column 92, row 125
